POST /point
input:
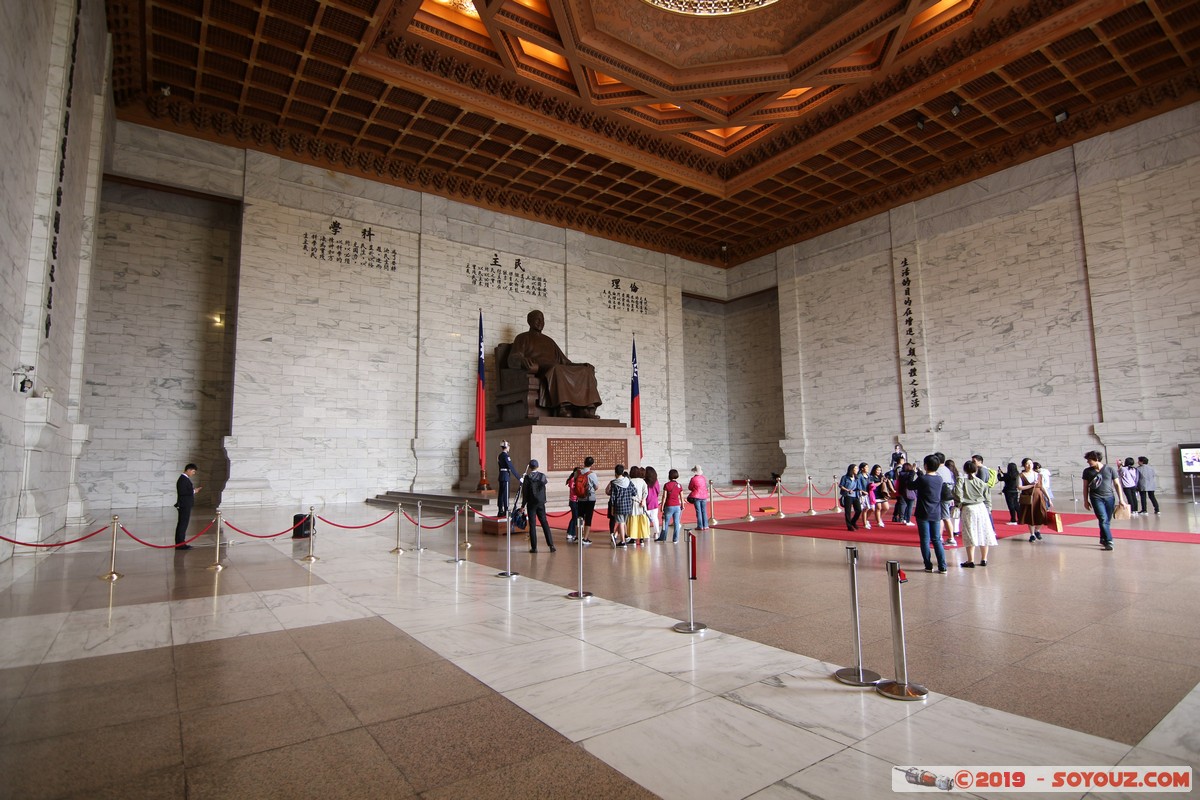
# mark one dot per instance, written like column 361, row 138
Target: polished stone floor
column 367, row 674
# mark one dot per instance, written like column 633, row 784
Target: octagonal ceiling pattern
column 717, row 138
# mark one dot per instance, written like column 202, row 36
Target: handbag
column 1121, row 511
column 1054, row 521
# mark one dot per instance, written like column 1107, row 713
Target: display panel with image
column 1189, row 457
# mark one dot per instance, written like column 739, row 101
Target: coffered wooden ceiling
column 716, row 139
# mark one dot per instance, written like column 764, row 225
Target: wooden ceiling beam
column 1074, row 17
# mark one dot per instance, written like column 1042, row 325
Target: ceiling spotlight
column 920, row 123
column 955, row 110
column 1061, row 117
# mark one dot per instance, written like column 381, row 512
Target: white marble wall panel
column 158, row 366
column 171, row 159
column 755, row 390
column 758, row 275
column 1056, row 320
column 850, row 377
column 451, row 300
column 324, row 397
column 25, row 30
column 41, row 203
column 706, row 387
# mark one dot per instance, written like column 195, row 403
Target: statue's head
column 536, row 320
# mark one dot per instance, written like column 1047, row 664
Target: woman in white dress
column 971, row 495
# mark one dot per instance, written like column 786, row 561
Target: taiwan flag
column 635, row 402
column 481, row 406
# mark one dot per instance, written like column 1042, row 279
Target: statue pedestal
column 559, row 444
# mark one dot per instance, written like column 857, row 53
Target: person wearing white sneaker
column 1147, row 484
column 864, row 494
column 876, row 496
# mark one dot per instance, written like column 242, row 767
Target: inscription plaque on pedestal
column 563, row 455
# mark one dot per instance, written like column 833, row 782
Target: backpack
column 582, row 485
column 993, row 478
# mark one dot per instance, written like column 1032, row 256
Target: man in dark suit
column 185, row 498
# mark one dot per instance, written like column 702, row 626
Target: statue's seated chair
column 517, row 391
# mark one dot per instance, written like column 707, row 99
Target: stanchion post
column 397, row 550
column 455, row 559
column 508, row 570
column 420, row 527
column 466, row 542
column 691, row 626
column 808, row 480
column 779, row 497
column 837, row 497
column 749, row 517
column 312, row 536
column 216, row 565
column 579, row 594
column 900, row 688
column 712, row 506
column 112, row 576
column 856, row 675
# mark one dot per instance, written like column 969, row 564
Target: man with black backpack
column 533, row 497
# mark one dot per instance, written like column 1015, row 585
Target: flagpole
column 481, row 415
column 635, row 403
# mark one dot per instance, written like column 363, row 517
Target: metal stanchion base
column 812, row 512
column 309, row 559
column 216, row 566
column 689, row 627
column 419, row 549
column 579, row 595
column 901, row 691
column 748, row 518
column 465, row 546
column 111, row 577
column 397, row 550
column 857, row 676
column 507, row 574
column 455, row 560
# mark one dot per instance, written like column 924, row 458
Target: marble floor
column 368, row 674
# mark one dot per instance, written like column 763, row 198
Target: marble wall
column 159, row 357
column 1054, row 311
column 52, row 65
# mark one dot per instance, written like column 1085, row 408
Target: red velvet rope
column 55, row 544
column 727, row 496
column 482, row 515
column 427, row 527
column 357, row 527
column 832, row 489
column 167, row 546
column 266, row 536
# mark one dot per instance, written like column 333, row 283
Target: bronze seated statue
column 536, row 378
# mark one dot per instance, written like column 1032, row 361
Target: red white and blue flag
column 635, row 402
column 481, row 406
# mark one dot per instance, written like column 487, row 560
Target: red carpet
column 833, row 526
column 1121, row 532
column 730, row 513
